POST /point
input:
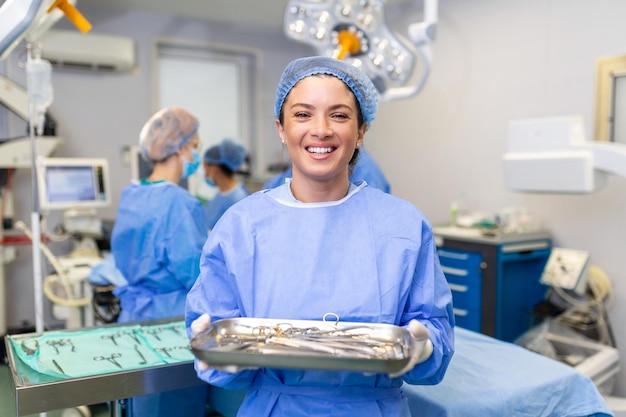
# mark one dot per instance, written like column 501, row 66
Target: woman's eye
column 340, row 116
column 300, row 115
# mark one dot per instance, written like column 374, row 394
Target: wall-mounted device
column 567, row 269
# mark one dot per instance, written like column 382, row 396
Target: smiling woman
column 298, row 251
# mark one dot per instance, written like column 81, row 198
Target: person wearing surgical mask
column 320, row 244
column 220, row 163
column 157, row 241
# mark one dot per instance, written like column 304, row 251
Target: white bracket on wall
column 551, row 155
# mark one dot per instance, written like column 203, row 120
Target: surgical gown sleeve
column 430, row 302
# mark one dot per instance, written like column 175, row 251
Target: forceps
column 167, row 350
column 110, row 336
column 61, row 342
column 154, row 332
column 110, row 359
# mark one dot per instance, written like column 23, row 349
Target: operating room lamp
column 355, row 31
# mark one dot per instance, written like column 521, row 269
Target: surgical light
column 355, row 31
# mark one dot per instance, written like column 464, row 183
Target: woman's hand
column 198, row 326
column 421, row 347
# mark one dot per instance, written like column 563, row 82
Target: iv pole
column 36, row 116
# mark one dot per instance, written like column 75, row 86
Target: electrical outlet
column 567, row 269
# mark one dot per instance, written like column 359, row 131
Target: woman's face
column 320, row 127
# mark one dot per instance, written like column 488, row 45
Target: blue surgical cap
column 228, row 153
column 166, row 132
column 359, row 83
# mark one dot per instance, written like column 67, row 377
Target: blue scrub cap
column 359, row 83
column 228, row 153
column 166, row 132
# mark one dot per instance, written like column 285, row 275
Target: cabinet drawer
column 467, row 318
column 465, row 297
column 460, row 276
column 459, row 259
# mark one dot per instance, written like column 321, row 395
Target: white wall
column 494, row 61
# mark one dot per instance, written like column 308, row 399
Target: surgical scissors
column 110, row 359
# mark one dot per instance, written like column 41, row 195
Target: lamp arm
column 399, row 93
column 421, row 35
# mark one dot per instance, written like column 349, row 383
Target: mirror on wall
column 610, row 117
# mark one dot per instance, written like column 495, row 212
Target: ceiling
column 263, row 13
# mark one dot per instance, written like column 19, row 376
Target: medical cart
column 494, row 278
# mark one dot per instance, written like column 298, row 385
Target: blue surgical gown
column 218, row 205
column 365, row 168
column 156, row 242
column 369, row 257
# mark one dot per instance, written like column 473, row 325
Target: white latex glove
column 421, row 347
column 198, row 326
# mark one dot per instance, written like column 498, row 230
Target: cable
column 52, row 236
column 48, row 289
column 51, row 258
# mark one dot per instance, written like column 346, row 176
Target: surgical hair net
column 357, row 81
column 228, row 153
column 166, row 132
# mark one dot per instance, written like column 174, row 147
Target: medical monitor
column 66, row 183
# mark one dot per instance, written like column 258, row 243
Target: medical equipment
column 81, row 367
column 304, row 344
column 355, row 31
column 567, row 269
column 552, row 155
column 73, row 183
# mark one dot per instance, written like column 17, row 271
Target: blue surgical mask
column 190, row 167
column 210, row 182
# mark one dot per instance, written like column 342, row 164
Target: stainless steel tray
column 304, row 344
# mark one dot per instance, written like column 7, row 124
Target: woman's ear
column 281, row 130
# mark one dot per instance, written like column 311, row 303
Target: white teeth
column 319, row 150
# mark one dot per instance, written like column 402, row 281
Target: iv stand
column 34, row 217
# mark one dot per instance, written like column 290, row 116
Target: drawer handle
column 453, row 255
column 454, row 271
column 459, row 312
column 458, row 288
column 524, row 247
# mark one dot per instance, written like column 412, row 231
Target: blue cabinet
column 494, row 279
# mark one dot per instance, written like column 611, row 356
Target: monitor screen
column 66, row 183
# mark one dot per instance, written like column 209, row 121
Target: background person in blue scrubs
column 157, row 241
column 221, row 162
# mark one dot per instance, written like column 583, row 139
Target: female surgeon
column 220, row 163
column 157, row 241
column 320, row 244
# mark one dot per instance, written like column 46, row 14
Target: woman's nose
column 321, row 128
